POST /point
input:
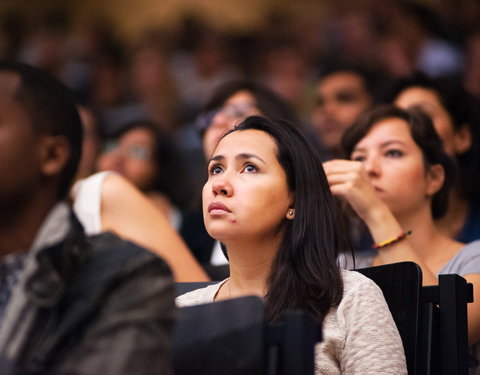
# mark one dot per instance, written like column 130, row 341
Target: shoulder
column 87, row 201
column 199, row 296
column 89, row 185
column 356, row 283
column 471, row 228
column 120, row 196
column 361, row 297
column 362, row 323
column 471, row 247
column 115, row 185
column 466, row 261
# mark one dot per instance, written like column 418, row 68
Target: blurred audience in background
column 324, row 62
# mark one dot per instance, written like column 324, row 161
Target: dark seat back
column 401, row 284
column 431, row 320
column 232, row 337
column 220, row 338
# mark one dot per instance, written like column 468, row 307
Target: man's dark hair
column 51, row 110
column 373, row 81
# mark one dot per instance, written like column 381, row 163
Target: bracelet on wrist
column 391, row 241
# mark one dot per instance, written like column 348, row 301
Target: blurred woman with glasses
column 232, row 103
column 146, row 156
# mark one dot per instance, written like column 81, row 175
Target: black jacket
column 97, row 305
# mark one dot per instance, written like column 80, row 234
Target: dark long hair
column 423, row 133
column 305, row 273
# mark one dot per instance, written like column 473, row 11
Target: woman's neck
column 250, row 265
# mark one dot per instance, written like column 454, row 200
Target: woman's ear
column 462, row 139
column 54, row 154
column 435, row 179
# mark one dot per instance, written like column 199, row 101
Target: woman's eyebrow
column 244, row 156
column 382, row 145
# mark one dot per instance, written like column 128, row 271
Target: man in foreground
column 69, row 304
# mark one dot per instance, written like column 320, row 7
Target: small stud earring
column 290, row 212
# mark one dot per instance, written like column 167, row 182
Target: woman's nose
column 221, row 186
column 372, row 166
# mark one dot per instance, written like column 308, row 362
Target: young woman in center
column 268, row 202
column 395, row 181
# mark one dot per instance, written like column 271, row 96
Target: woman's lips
column 217, row 208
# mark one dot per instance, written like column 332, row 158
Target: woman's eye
column 358, row 158
column 394, row 153
column 250, row 168
column 216, row 169
column 346, row 97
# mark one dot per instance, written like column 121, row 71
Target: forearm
column 383, row 226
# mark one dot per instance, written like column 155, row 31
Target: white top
column 218, row 257
column 87, row 194
column 359, row 335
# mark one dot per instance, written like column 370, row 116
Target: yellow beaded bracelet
column 391, row 241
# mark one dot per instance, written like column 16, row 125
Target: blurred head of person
column 403, row 156
column 41, row 138
column 146, row 156
column 456, row 117
column 232, row 103
column 342, row 94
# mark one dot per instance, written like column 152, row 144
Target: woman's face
column 396, row 168
column 132, row 156
column 235, row 109
column 429, row 102
column 246, row 195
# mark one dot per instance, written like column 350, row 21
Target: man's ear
column 462, row 140
column 435, row 179
column 54, row 154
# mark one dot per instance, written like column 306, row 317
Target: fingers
column 342, row 166
column 344, row 172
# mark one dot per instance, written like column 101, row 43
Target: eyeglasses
column 237, row 111
column 135, row 152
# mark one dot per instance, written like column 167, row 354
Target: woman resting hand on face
column 396, row 181
column 268, row 202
